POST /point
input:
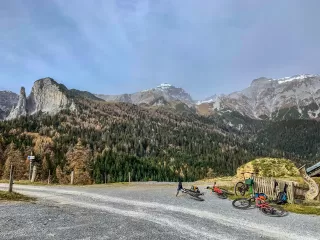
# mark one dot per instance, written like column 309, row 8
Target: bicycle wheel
column 198, row 198
column 241, row 203
column 273, row 211
column 222, row 195
column 240, row 189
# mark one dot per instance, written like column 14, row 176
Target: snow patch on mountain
column 296, row 77
column 209, row 99
column 164, row 85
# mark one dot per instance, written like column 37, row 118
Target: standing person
column 179, row 187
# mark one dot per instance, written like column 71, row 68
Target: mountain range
column 160, row 132
column 154, row 96
column 296, row 97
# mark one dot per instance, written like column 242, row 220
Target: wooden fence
column 266, row 185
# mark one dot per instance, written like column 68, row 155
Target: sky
column 206, row 47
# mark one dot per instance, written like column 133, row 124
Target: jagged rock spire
column 21, row 108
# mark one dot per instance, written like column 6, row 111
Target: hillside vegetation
column 269, row 167
column 103, row 142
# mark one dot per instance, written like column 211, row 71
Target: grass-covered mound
column 269, row 167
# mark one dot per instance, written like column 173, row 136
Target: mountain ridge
column 165, row 90
column 293, row 97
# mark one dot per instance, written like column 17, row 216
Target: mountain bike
column 220, row 192
column 194, row 194
column 260, row 202
column 242, row 187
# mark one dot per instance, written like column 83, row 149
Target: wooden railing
column 266, row 185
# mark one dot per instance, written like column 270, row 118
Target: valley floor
column 140, row 211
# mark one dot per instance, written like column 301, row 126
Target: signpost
column 30, row 158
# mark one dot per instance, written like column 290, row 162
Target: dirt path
column 143, row 212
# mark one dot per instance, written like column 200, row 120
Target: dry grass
column 313, row 209
column 25, row 182
column 13, row 196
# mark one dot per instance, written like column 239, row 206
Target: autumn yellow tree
column 78, row 159
column 14, row 156
column 62, row 176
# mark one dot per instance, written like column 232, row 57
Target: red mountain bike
column 261, row 203
column 221, row 193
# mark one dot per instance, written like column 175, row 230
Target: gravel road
column 140, row 211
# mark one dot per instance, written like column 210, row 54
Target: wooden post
column 11, row 179
column 72, row 177
column 105, row 178
column 30, row 169
column 292, row 192
column 34, row 173
column 129, row 178
column 49, row 177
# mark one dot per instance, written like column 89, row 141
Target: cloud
column 118, row 46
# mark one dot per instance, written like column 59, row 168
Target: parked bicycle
column 220, row 192
column 194, row 192
column 260, row 200
column 242, row 187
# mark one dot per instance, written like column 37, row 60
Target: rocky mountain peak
column 164, row 91
column 23, row 92
column 277, row 99
column 210, row 99
column 295, row 77
column 8, row 100
column 165, row 86
column 260, row 81
column 46, row 96
column 21, row 108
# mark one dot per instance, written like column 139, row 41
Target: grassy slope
column 6, row 196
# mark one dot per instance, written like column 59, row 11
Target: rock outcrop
column 21, row 108
column 46, row 96
column 7, row 101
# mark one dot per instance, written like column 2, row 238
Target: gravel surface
column 140, row 211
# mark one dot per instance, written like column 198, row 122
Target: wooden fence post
column 292, row 192
column 34, row 173
column 129, row 178
column 49, row 177
column 30, row 169
column 11, row 178
column 72, row 177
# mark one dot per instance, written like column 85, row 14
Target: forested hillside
column 151, row 143
column 298, row 139
column 103, row 142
